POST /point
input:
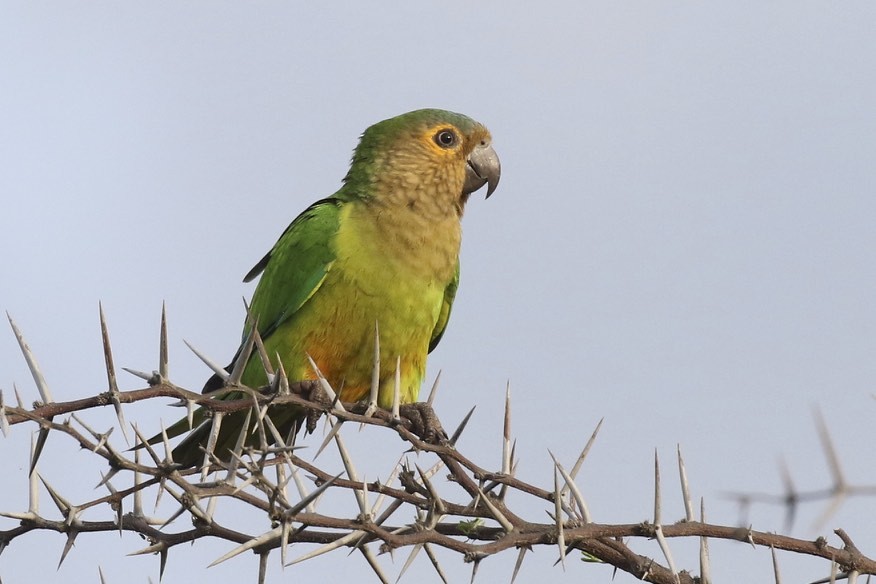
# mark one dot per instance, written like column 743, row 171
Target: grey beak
column 483, row 168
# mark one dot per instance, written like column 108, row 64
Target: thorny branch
column 476, row 522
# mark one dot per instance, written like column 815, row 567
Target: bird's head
column 426, row 156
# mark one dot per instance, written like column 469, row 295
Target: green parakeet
column 383, row 249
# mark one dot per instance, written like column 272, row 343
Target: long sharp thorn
column 261, row 413
column 32, row 364
column 242, row 361
column 247, row 482
column 212, row 439
column 101, row 438
column 685, row 487
column 705, row 564
column 390, row 509
column 558, row 510
column 302, row 490
column 378, row 503
column 190, row 503
column 263, row 357
column 238, row 448
column 162, row 486
column 173, row 516
column 329, row 437
column 459, row 429
column 150, row 378
column 279, row 443
column 657, row 517
column 259, row 342
column 351, row 474
column 506, row 432
column 104, row 480
column 574, row 472
column 506, row 441
column 111, row 375
column 168, row 451
column 63, row 505
column 372, row 561
column 281, row 379
column 155, row 458
column 396, row 391
column 41, row 384
column 190, row 413
column 42, row 436
column 375, row 374
column 776, row 573
column 263, row 567
column 18, row 399
column 162, row 562
column 33, row 494
column 120, row 517
column 497, row 515
column 120, row 416
column 162, row 346
column 100, row 572
column 433, row 493
column 138, row 492
column 433, row 393
column 576, row 492
column 411, row 556
column 474, row 569
column 286, row 527
column 71, row 537
column 518, row 563
column 214, row 367
column 434, row 559
column 342, row 541
column 152, row 549
column 248, row 545
column 664, row 547
column 306, row 501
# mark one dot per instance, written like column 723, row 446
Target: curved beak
column 483, row 168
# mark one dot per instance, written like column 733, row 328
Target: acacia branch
column 468, row 516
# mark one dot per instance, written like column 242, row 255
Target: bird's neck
column 414, row 234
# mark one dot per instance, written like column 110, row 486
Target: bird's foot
column 424, row 422
column 312, row 391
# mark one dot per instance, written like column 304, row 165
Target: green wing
column 293, row 270
column 295, row 267
column 444, row 315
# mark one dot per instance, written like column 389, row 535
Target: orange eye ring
column 446, row 138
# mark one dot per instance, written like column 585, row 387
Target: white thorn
column 342, row 541
column 217, row 369
column 248, row 545
column 32, row 364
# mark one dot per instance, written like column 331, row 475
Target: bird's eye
column 446, row 138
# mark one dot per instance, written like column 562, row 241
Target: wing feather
column 444, row 315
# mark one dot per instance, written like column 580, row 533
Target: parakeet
column 383, row 251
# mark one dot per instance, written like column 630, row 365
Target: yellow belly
column 401, row 290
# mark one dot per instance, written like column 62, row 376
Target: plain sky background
column 682, row 243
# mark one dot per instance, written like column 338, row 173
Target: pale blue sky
column 683, row 241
